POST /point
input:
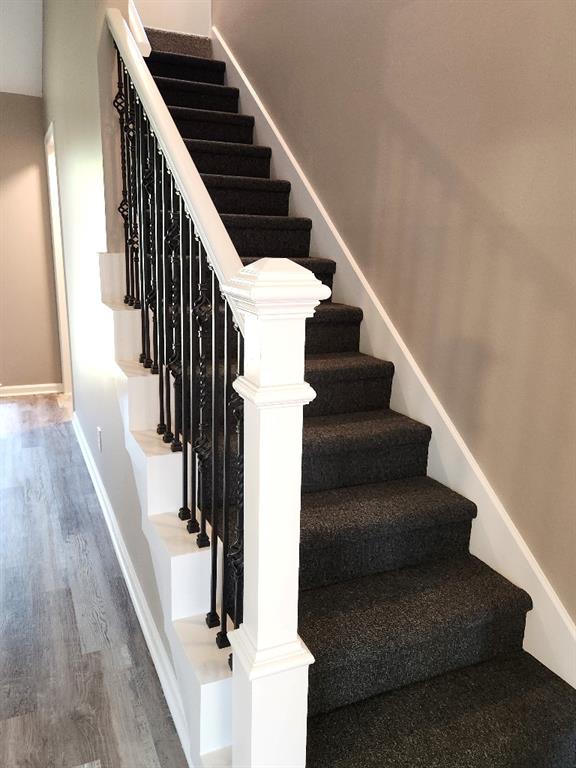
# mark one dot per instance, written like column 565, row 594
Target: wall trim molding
column 160, row 657
column 19, row 390
column 550, row 631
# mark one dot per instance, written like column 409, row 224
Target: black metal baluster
column 222, row 636
column 140, row 195
column 185, row 320
column 167, row 437
column 133, row 198
column 152, row 189
column 146, row 238
column 212, row 618
column 160, row 289
column 202, row 446
column 236, row 551
column 176, row 239
column 194, row 390
column 129, row 136
column 120, row 106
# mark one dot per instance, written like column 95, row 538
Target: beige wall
column 29, row 347
column 440, row 136
column 77, row 50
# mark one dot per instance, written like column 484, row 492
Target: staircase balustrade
column 226, row 343
column 191, row 341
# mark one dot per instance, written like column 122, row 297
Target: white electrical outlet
column 99, row 438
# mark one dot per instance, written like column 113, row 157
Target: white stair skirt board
column 22, row 390
column 550, row 632
column 194, row 673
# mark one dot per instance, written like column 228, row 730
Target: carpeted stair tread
column 369, row 429
column 336, row 312
column 179, row 42
column 348, row 381
column 504, row 713
column 360, row 447
column 405, row 504
column 384, row 631
column 247, row 195
column 228, row 148
column 264, row 235
column 247, row 221
column 366, row 529
column 231, row 158
column 186, row 67
column 223, row 181
column 210, row 115
column 188, row 93
column 347, row 366
column 213, row 125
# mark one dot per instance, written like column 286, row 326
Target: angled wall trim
column 550, row 632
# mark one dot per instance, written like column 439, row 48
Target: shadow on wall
column 461, row 266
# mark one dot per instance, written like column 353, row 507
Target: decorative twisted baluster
column 202, row 311
column 123, row 209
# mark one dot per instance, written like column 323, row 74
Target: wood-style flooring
column 77, row 686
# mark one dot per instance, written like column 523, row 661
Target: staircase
column 417, row 644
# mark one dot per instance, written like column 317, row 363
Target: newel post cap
column 276, row 287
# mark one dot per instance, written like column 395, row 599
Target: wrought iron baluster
column 185, row 321
column 129, row 138
column 212, row 618
column 168, row 340
column 146, row 177
column 202, row 310
column 236, row 551
column 141, row 211
column 120, row 106
column 133, row 196
column 152, row 192
column 194, row 388
column 160, row 288
column 175, row 237
column 222, row 636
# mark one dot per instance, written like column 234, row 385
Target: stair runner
column 418, row 644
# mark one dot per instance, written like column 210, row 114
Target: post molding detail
column 271, row 662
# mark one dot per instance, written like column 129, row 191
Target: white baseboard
column 20, row 390
column 550, row 632
column 160, row 657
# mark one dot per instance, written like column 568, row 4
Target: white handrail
column 137, row 29
column 219, row 247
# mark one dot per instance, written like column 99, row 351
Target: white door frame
column 58, row 255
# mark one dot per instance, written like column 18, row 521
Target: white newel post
column 270, row 680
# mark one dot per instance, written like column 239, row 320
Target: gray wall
column 78, row 80
column 29, row 346
column 439, row 136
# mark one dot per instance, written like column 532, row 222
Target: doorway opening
column 59, row 268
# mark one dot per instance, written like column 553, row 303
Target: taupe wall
column 78, row 77
column 29, row 346
column 440, row 137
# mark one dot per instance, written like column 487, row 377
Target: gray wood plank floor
column 77, row 686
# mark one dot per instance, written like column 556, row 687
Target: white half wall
column 192, row 17
column 21, row 47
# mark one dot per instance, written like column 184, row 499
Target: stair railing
column 227, row 345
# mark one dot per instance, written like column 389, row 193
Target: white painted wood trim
column 209, row 226
column 137, row 29
column 550, row 631
column 158, row 652
column 20, row 390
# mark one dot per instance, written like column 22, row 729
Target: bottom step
column 507, row 713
